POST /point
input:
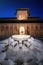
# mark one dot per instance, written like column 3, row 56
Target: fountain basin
column 21, row 37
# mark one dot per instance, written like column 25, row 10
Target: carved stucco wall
column 33, row 29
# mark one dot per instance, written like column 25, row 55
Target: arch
column 22, row 30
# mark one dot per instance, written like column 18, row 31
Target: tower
column 22, row 14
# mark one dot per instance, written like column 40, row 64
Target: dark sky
column 8, row 7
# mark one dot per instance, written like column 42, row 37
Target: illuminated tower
column 22, row 14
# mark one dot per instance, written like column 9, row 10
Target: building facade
column 33, row 29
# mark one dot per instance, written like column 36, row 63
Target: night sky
column 8, row 7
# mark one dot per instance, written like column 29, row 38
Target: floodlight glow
column 22, row 30
column 21, row 17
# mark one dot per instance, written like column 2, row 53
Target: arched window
column 15, row 28
column 27, row 27
column 11, row 30
column 32, row 27
column 11, row 27
column 41, row 27
column 36, row 27
column 2, row 28
column 6, row 30
column 7, row 27
column 28, row 31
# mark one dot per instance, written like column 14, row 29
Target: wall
column 33, row 29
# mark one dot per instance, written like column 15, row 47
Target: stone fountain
column 24, row 48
